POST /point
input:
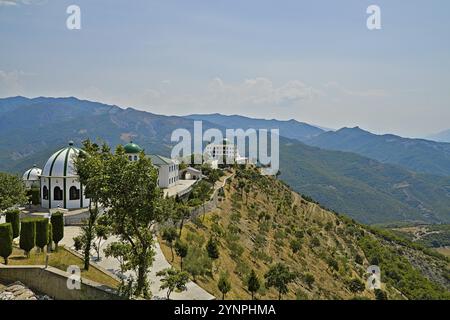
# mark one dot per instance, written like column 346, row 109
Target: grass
column 61, row 259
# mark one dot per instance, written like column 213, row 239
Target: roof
column 132, row 148
column 61, row 163
column 158, row 160
column 32, row 174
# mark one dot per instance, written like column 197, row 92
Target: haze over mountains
column 389, row 181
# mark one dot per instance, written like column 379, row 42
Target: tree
column 90, row 167
column 279, row 276
column 134, row 205
column 182, row 213
column 6, row 238
column 197, row 262
column 181, row 250
column 253, row 283
column 173, row 279
column 12, row 191
column 380, row 295
column 212, row 249
column 102, row 231
column 27, row 235
column 121, row 252
column 50, row 237
column 224, row 285
column 57, row 221
column 13, row 217
column 169, row 235
column 356, row 285
column 41, row 233
column 309, row 279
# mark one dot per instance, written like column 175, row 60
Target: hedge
column 50, row 237
column 6, row 238
column 57, row 220
column 13, row 217
column 28, row 235
column 41, row 232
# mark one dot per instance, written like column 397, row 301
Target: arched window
column 57, row 193
column 74, row 193
column 45, row 193
column 135, row 158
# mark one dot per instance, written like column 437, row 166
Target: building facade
column 60, row 187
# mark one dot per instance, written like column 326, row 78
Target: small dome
column 132, row 148
column 32, row 174
column 61, row 163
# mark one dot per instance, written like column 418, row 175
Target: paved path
column 193, row 292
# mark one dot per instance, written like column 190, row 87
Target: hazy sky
column 314, row 61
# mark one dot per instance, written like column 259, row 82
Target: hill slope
column 290, row 129
column 261, row 222
column 415, row 154
column 371, row 192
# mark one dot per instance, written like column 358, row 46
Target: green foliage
column 169, row 235
column 398, row 272
column 296, row 245
column 355, row 285
column 6, row 238
column 57, row 221
column 224, row 284
column 34, row 195
column 173, row 279
column 279, row 276
column 253, row 283
column 197, row 262
column 212, row 248
column 380, row 295
column 13, row 217
column 181, row 250
column 309, row 279
column 27, row 235
column 12, row 191
column 41, row 232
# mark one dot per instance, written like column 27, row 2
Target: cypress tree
column 28, row 235
column 13, row 217
column 57, row 220
column 6, row 238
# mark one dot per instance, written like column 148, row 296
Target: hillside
column 443, row 136
column 367, row 190
column 260, row 222
column 290, row 129
column 415, row 154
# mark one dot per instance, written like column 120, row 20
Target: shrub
column 28, row 235
column 13, row 217
column 356, row 285
column 34, row 194
column 50, row 237
column 212, row 248
column 57, row 221
column 309, row 279
column 380, row 295
column 41, row 232
column 6, row 238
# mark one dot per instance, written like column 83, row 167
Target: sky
column 313, row 61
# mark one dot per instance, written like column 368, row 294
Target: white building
column 31, row 177
column 59, row 182
column 225, row 151
column 167, row 168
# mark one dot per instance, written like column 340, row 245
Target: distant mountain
column 290, row 129
column 443, row 136
column 367, row 190
column 416, row 154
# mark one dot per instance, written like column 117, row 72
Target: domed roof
column 132, row 147
column 61, row 163
column 32, row 174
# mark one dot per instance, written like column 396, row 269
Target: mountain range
column 355, row 183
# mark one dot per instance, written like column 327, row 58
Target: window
column 45, row 193
column 57, row 193
column 135, row 158
column 74, row 193
column 130, row 158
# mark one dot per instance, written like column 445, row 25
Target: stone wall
column 53, row 282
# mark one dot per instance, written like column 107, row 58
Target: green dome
column 132, row 148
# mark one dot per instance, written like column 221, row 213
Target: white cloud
column 24, row 2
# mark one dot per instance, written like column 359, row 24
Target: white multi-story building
column 167, row 168
column 220, row 152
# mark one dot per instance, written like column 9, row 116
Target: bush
column 356, row 285
column 6, row 238
column 35, row 196
column 57, row 221
column 28, row 235
column 50, row 237
column 13, row 217
column 42, row 232
column 212, row 249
